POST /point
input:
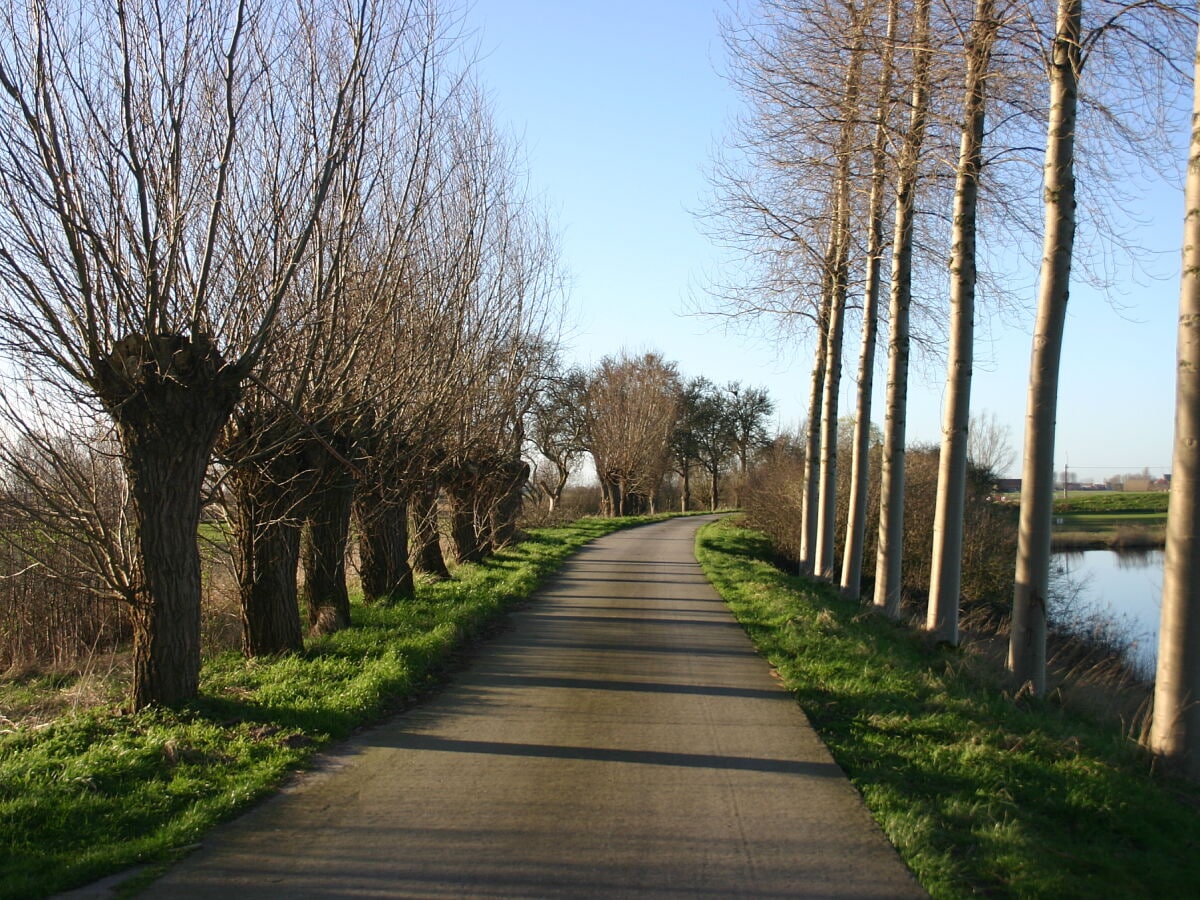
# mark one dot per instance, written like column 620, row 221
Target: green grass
column 1113, row 502
column 98, row 791
column 980, row 794
column 1110, row 519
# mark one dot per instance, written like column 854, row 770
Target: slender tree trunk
column 860, row 464
column 427, row 553
column 889, row 558
column 383, row 546
column 686, row 500
column 323, row 551
column 827, row 478
column 169, row 397
column 812, row 451
column 1175, row 730
column 946, row 567
column 837, row 276
column 1027, row 641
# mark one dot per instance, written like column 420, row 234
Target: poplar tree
column 1175, row 728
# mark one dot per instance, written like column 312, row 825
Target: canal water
column 1124, row 586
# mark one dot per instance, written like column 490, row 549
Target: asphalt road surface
column 620, row 738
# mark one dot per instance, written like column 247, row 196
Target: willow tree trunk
column 1175, row 730
column 946, row 567
column 505, row 512
column 427, row 554
column 268, row 537
column 464, row 529
column 323, row 551
column 860, row 463
column 169, row 396
column 1027, row 640
column 890, row 554
column 383, row 546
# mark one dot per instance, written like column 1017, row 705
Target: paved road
column 620, row 739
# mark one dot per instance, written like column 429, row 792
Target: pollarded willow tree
column 164, row 167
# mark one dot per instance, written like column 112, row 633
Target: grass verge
column 97, row 791
column 980, row 794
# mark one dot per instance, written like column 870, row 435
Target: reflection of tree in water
column 1075, row 608
column 1138, row 558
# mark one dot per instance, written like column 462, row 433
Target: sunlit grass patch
column 980, row 794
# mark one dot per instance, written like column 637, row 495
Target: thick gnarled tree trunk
column 323, row 550
column 268, row 558
column 170, row 396
column 383, row 547
column 427, row 556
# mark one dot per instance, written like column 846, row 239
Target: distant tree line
column 645, row 427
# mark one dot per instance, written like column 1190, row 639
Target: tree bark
column 323, row 551
column 1027, row 641
column 383, row 546
column 169, row 396
column 1175, row 730
column 889, row 558
column 946, row 567
column 427, row 554
column 464, row 529
column 510, row 480
column 268, row 558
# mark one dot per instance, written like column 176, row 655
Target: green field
column 1113, row 502
column 1111, row 518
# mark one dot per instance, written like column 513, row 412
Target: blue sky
column 620, row 105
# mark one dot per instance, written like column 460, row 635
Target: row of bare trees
column 278, row 257
column 861, row 112
column 642, row 424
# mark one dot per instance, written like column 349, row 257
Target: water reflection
column 1124, row 586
